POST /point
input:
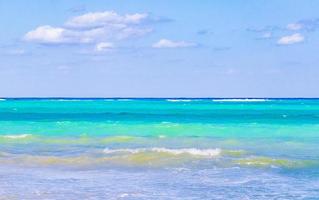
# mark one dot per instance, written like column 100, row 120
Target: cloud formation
column 92, row 28
column 56, row 35
column 103, row 46
column 165, row 43
column 305, row 24
column 291, row 39
column 294, row 26
column 107, row 18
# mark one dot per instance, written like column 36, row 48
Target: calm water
column 159, row 149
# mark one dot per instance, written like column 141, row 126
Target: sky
column 167, row 48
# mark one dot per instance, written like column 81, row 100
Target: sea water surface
column 159, row 149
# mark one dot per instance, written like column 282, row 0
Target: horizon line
column 159, row 97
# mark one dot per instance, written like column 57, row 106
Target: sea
column 159, row 148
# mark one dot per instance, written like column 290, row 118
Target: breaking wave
column 190, row 151
column 179, row 100
column 16, row 136
column 240, row 100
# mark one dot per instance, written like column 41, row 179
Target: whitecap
column 190, row 151
column 240, row 100
column 16, row 136
column 179, row 100
column 71, row 100
column 124, row 99
column 123, row 195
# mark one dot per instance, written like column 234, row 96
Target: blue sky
column 126, row 48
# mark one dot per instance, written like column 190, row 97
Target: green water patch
column 156, row 157
column 268, row 162
column 80, row 140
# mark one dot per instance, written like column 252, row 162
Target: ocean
column 72, row 148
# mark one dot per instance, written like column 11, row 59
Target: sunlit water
column 159, row 149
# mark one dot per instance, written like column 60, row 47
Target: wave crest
column 189, row 151
column 240, row 100
column 16, row 136
column 179, row 100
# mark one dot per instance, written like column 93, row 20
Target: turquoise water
column 159, row 149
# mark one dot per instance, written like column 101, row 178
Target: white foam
column 124, row 99
column 72, row 100
column 16, row 136
column 240, row 100
column 179, row 100
column 190, row 151
column 2, row 99
column 123, row 195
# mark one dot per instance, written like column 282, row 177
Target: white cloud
column 305, row 25
column 294, row 26
column 91, row 28
column 55, row 35
column 165, row 43
column 107, row 18
column 46, row 34
column 103, row 46
column 291, row 39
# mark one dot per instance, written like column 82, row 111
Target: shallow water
column 159, row 149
